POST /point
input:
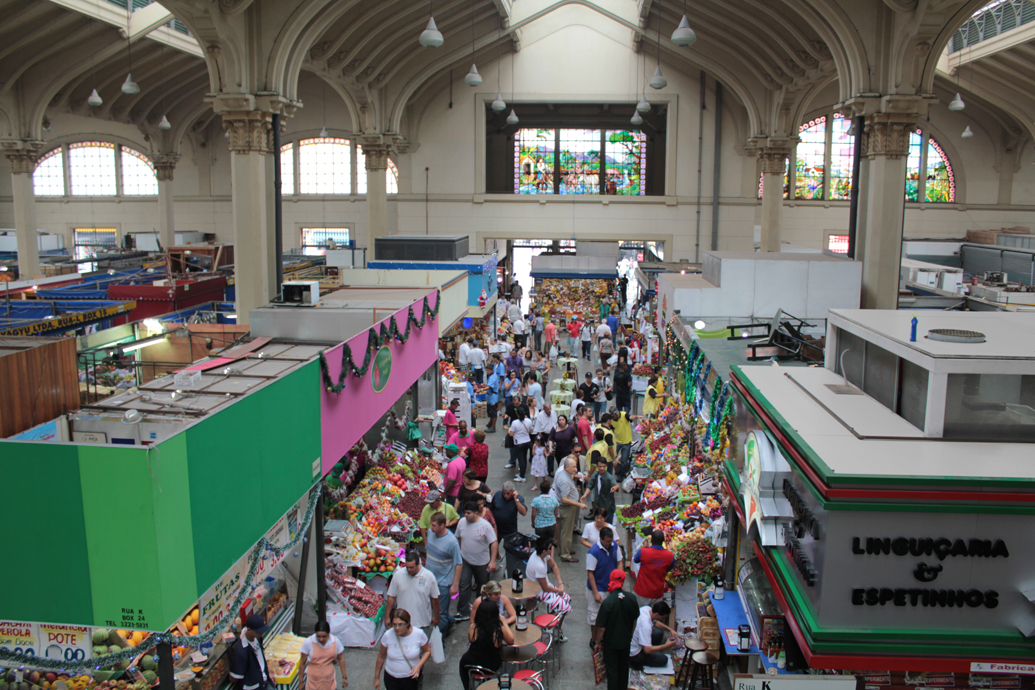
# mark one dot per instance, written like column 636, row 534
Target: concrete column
column 22, row 157
column 884, row 196
column 251, row 139
column 774, row 165
column 165, row 165
column 377, row 194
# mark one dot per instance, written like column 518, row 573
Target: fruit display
column 282, row 655
column 352, row 593
column 564, row 298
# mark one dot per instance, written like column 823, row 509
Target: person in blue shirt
column 445, row 563
column 492, row 399
column 613, row 324
column 602, row 558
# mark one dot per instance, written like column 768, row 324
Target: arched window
column 391, row 175
column 95, row 168
column 324, row 166
column 810, row 171
column 941, row 182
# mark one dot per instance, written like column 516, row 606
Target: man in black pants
column 616, row 620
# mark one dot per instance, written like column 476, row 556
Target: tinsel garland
column 376, row 337
column 259, row 554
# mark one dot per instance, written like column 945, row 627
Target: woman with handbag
column 318, row 654
column 404, row 651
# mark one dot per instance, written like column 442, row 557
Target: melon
column 100, row 636
column 148, row 663
column 100, row 650
column 151, row 677
column 114, row 649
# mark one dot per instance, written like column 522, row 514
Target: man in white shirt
column 514, row 311
column 476, row 360
column 520, row 332
column 415, row 589
column 479, row 550
column 586, row 337
column 461, row 358
column 603, row 331
column 545, row 420
column 647, row 647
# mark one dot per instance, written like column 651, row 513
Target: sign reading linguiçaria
column 934, row 551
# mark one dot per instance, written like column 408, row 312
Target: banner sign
column 66, row 642
column 63, row 322
column 20, row 638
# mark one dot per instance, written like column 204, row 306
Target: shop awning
column 574, row 267
column 36, row 317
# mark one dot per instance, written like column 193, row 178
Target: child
column 538, row 459
column 544, row 511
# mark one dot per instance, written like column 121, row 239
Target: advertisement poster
column 66, row 642
column 20, row 638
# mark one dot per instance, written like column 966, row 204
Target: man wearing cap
column 616, row 621
column 433, row 504
column 248, row 669
column 454, row 478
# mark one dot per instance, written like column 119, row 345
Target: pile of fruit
column 450, row 372
column 643, row 370
column 36, row 680
column 351, row 592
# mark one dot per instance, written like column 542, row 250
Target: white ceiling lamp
column 512, row 119
column 684, row 36
column 165, row 124
column 323, row 133
column 957, row 104
column 643, row 106
column 658, row 81
column 636, row 119
column 431, row 37
column 499, row 105
column 95, row 99
column 130, row 87
column 967, row 133
column 473, row 78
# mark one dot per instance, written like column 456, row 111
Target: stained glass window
column 138, row 174
column 91, row 166
column 914, row 164
column 534, row 161
column 842, row 156
column 392, row 178
column 580, row 161
column 811, row 159
column 626, row 162
column 287, row 169
column 837, row 243
column 49, row 177
column 940, row 185
column 325, row 166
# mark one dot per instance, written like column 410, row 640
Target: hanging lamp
column 431, row 37
column 967, row 133
column 512, row 119
column 164, row 124
column 473, row 78
column 130, row 87
column 643, row 106
column 683, row 35
column 957, row 104
column 636, row 119
column 95, row 99
column 498, row 105
column 658, row 81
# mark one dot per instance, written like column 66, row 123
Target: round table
column 561, row 396
column 562, row 410
column 563, row 362
column 526, row 637
column 567, row 384
column 494, row 684
column 530, row 590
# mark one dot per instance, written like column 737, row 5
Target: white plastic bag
column 438, row 655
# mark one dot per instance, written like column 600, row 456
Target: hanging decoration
column 431, row 37
column 376, row 337
column 259, row 553
column 473, row 78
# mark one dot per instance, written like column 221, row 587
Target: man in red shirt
column 549, row 334
column 573, row 337
column 655, row 562
column 584, row 428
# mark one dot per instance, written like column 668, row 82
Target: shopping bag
column 438, row 655
column 599, row 672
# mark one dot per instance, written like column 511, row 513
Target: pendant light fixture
column 643, row 106
column 499, row 105
column 164, row 124
column 636, row 119
column 957, row 103
column 658, row 81
column 129, row 87
column 683, row 35
column 323, row 130
column 94, row 100
column 512, row 119
column 473, row 78
column 431, row 37
column 967, row 133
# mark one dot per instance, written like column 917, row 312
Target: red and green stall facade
column 920, row 578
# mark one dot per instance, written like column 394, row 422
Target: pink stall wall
column 346, row 417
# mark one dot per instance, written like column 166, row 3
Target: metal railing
column 991, row 22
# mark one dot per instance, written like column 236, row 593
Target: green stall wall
column 126, row 537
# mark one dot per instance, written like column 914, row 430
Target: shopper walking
column 248, row 668
column 623, row 387
column 454, row 477
column 550, row 335
column 603, row 486
column 479, row 549
column 462, row 362
column 562, row 442
column 568, row 495
column 586, row 336
column 433, row 503
column 616, row 622
column 476, row 361
column 545, row 511
column 318, row 654
column 520, row 432
column 655, row 562
column 492, row 396
column 574, row 328
column 478, row 456
column 506, row 505
column 415, row 589
column 602, row 558
column 445, row 563
column 403, row 653
column 538, row 326
column 606, row 349
column 604, row 390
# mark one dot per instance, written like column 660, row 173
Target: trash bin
column 519, row 548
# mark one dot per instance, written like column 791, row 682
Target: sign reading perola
column 381, row 369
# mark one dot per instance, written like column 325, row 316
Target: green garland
column 154, row 639
column 384, row 333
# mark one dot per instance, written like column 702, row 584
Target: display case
column 763, row 612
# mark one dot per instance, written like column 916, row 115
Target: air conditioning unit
column 300, row 292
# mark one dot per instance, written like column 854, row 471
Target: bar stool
column 551, row 622
column 682, row 678
column 703, row 663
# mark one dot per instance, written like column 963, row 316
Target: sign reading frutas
column 924, row 572
column 381, row 369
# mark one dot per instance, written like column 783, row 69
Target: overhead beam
column 120, row 18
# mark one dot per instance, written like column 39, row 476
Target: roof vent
column 954, row 335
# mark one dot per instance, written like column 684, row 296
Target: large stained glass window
column 579, row 161
column 625, row 162
column 811, row 165
column 914, row 164
column 842, row 155
column 940, row 185
column 324, row 166
column 91, row 166
column 48, row 179
column 534, row 151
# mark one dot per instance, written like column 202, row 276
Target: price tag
column 66, row 642
column 20, row 638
